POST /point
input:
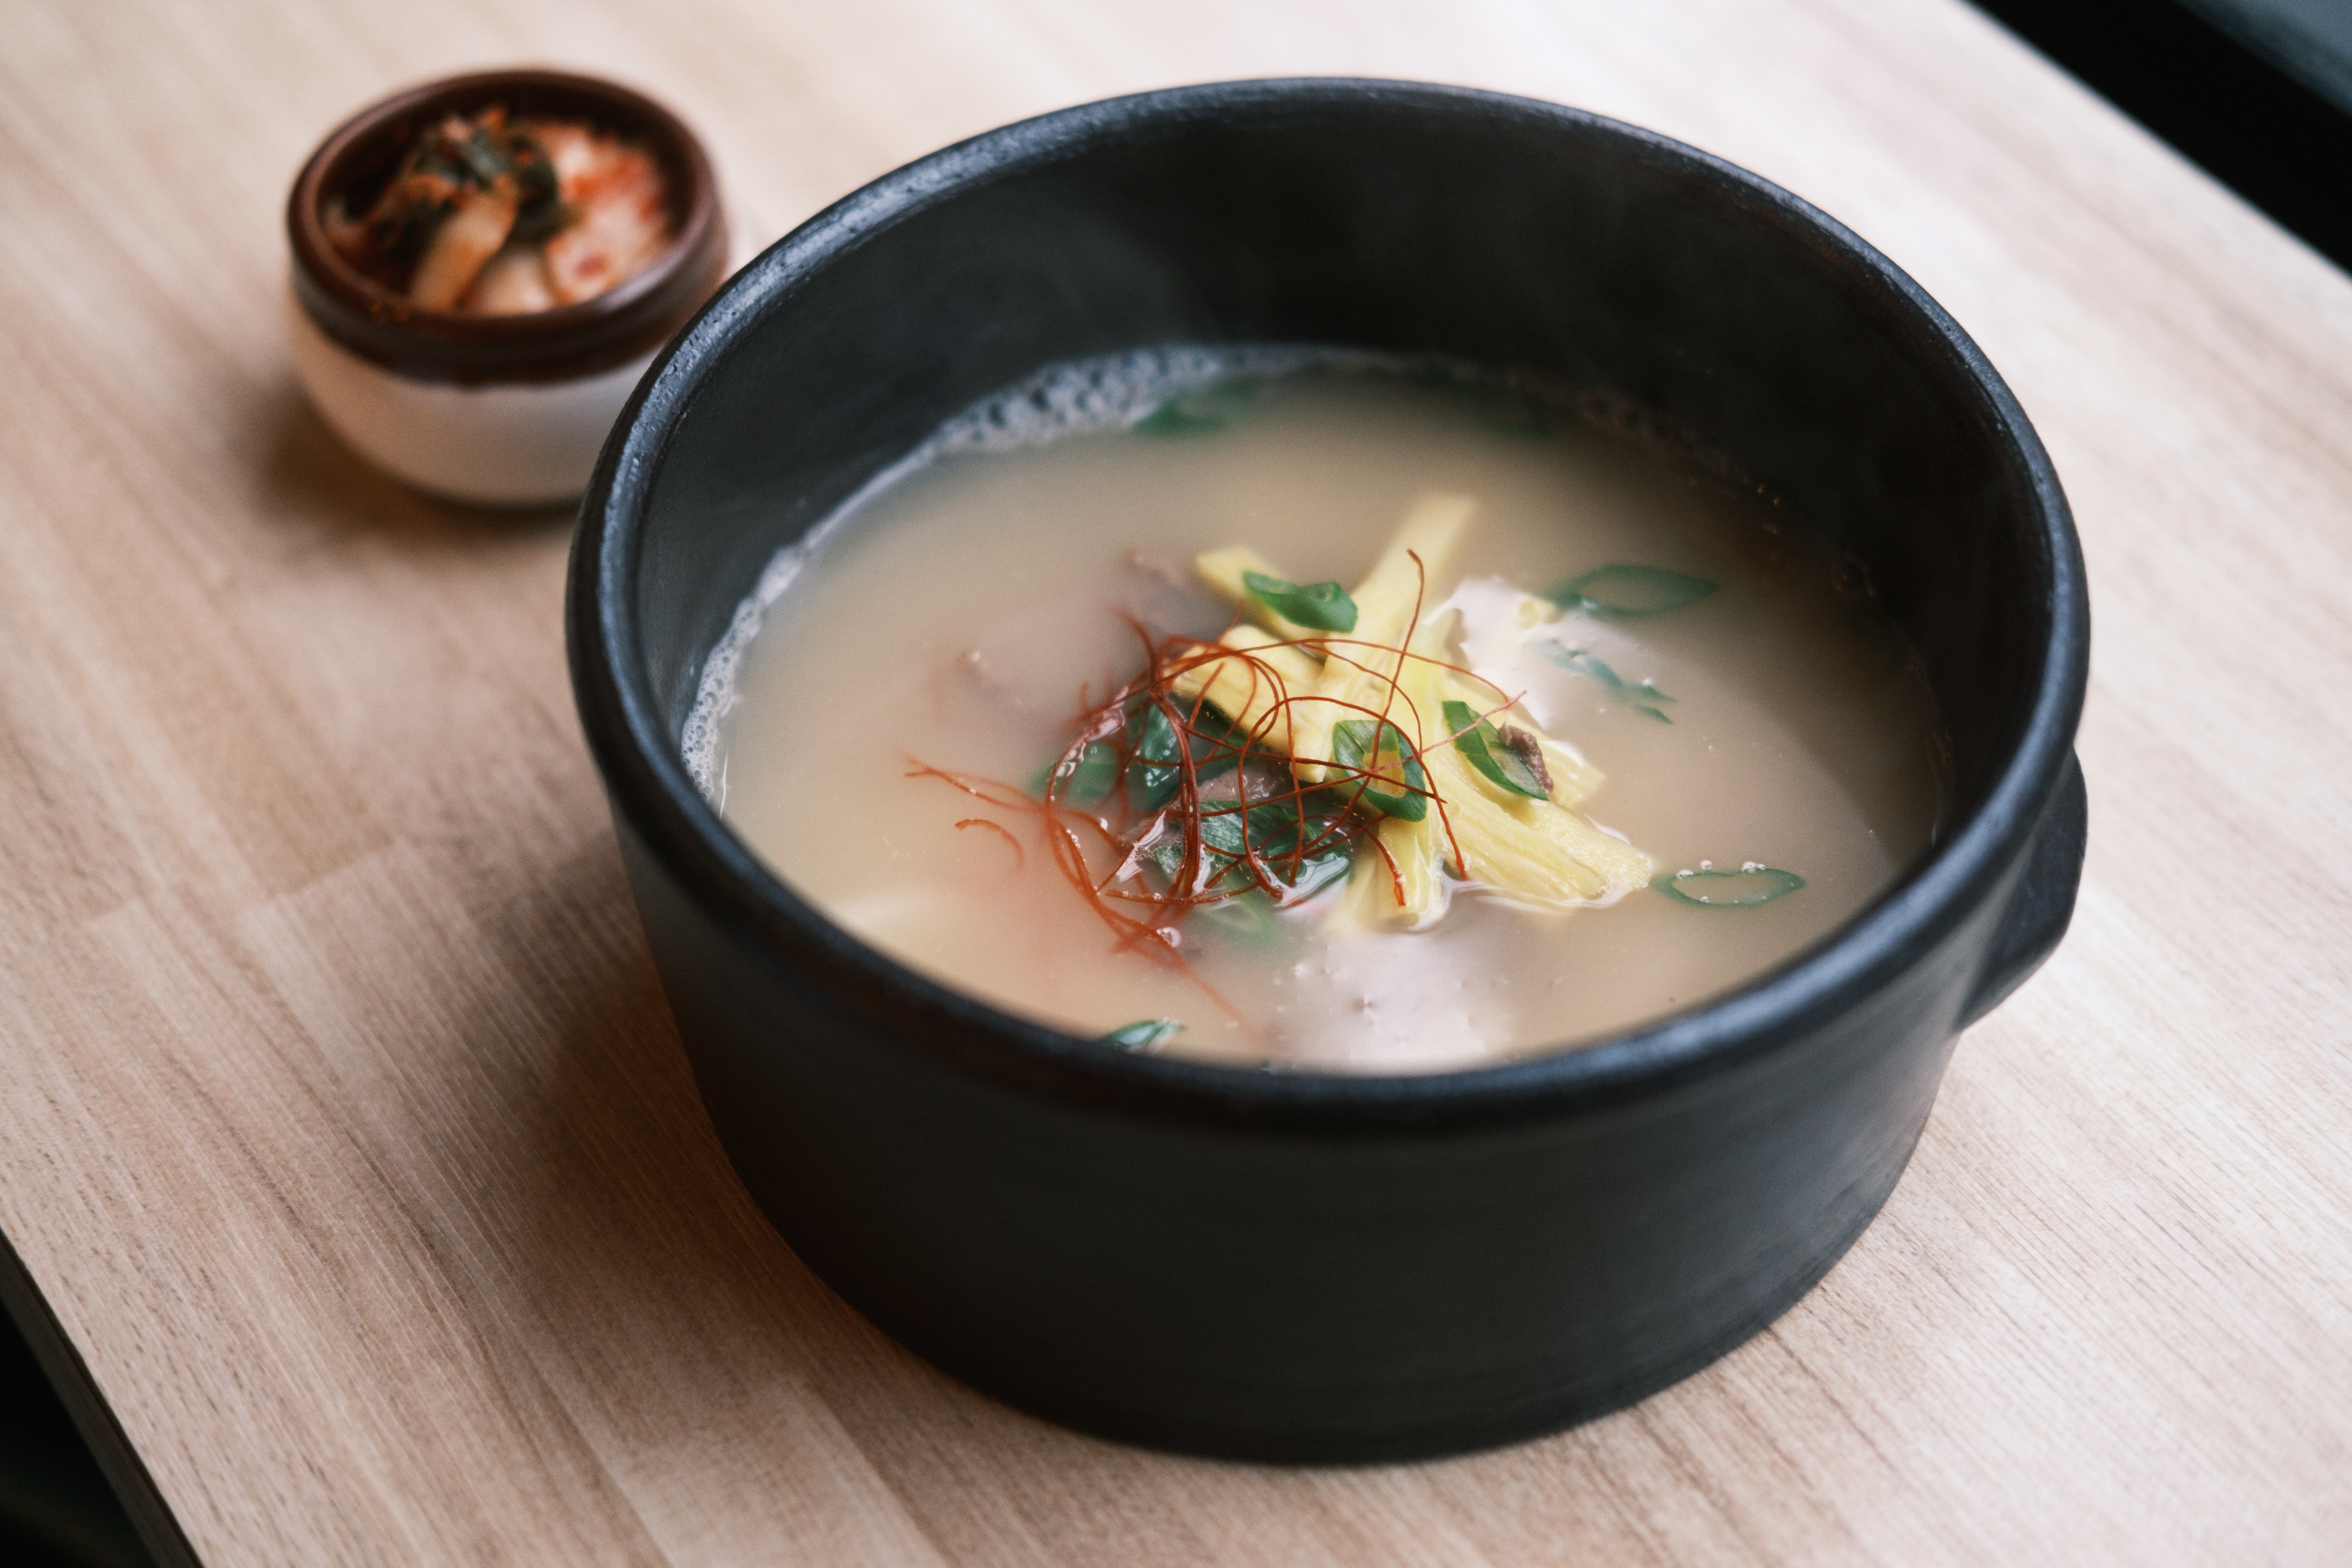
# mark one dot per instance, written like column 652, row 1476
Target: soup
column 1337, row 719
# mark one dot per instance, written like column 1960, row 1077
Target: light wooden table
column 345, row 1131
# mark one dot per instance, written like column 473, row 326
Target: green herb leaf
column 1152, row 776
column 1216, row 747
column 1622, row 590
column 1742, row 889
column 1143, row 1035
column 1272, row 830
column 1479, row 741
column 1168, row 854
column 1247, row 919
column 1643, row 698
column 1316, row 872
column 1323, row 606
column 1300, row 853
column 1383, row 762
column 539, row 208
column 1090, row 779
column 1304, row 851
column 484, row 157
column 1199, row 412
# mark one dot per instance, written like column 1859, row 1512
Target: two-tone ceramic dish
column 505, row 410
column 1293, row 1265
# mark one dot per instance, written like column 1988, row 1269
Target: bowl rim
column 366, row 319
column 653, row 797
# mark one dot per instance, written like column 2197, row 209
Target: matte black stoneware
column 1294, row 1266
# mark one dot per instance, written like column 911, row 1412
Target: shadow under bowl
column 1292, row 1266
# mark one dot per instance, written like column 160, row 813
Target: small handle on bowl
column 2045, row 901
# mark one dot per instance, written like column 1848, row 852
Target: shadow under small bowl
column 506, row 410
column 1293, row 1266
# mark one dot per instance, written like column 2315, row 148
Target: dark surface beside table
column 2257, row 94
column 56, row 1507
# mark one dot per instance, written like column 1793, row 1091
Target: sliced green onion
column 1202, row 411
column 1621, row 590
column 1642, row 699
column 1297, row 850
column 1482, row 745
column 1143, row 1035
column 1381, row 762
column 1323, row 606
column 1742, row 889
column 1090, row 779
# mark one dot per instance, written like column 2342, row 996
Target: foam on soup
column 1647, row 738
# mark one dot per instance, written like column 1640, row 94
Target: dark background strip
column 2247, row 117
column 67, row 1474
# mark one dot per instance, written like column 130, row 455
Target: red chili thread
column 1206, row 740
column 1020, row 856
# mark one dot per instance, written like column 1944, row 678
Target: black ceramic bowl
column 1293, row 1266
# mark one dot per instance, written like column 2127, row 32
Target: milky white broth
column 951, row 616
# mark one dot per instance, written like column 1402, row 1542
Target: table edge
column 159, row 1529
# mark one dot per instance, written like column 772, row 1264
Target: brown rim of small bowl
column 570, row 341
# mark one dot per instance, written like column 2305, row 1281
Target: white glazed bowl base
column 503, row 444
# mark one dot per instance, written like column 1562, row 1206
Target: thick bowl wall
column 1294, row 1266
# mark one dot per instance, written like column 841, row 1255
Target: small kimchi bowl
column 500, row 396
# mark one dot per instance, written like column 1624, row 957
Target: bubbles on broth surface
column 1743, row 704
column 1076, row 398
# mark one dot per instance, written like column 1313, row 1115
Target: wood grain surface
column 346, row 1132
